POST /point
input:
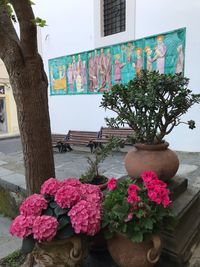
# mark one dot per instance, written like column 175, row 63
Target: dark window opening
column 114, row 15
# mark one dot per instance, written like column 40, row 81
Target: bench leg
column 69, row 147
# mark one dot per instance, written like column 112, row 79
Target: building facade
column 77, row 26
column 8, row 113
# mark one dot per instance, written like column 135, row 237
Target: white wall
column 70, row 30
column 74, row 26
column 155, row 16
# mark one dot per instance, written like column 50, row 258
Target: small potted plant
column 152, row 105
column 55, row 224
column 134, row 212
column 92, row 174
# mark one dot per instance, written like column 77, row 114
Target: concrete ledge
column 9, row 136
column 11, row 196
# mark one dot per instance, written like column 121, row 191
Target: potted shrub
column 134, row 212
column 93, row 174
column 152, row 105
column 55, row 224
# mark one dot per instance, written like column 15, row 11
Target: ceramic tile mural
column 94, row 72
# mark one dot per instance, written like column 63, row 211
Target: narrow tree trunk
column 29, row 84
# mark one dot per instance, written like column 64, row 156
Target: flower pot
column 158, row 158
column 130, row 254
column 69, row 252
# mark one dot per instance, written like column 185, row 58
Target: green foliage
column 148, row 217
column 39, row 22
column 151, row 105
column 15, row 259
column 99, row 155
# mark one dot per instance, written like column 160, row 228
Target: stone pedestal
column 179, row 243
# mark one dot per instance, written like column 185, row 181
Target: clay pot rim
column 143, row 146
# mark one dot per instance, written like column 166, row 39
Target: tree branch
column 28, row 29
column 9, row 41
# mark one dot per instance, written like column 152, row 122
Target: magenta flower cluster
column 157, row 189
column 44, row 228
column 50, row 187
column 132, row 194
column 81, row 201
column 67, row 196
column 85, row 217
column 33, row 205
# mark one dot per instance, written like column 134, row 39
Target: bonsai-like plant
column 151, row 104
column 63, row 209
column 138, row 208
column 92, row 174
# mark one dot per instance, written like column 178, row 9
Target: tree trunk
column 29, row 84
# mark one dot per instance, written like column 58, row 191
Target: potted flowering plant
column 55, row 223
column 134, row 212
column 152, row 104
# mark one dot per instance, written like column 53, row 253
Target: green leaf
column 65, row 232
column 48, row 212
column 28, row 244
column 148, row 224
column 63, row 221
column 138, row 237
column 53, row 205
column 59, row 211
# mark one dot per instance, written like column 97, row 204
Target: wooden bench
column 105, row 133
column 81, row 138
column 58, row 141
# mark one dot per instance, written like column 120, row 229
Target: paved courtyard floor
column 73, row 164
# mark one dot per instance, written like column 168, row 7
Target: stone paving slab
column 8, row 244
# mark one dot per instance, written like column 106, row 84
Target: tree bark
column 29, row 84
column 30, row 87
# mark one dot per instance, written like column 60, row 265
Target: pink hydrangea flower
column 67, row 196
column 22, row 226
column 85, row 217
column 91, row 193
column 50, row 187
column 33, row 205
column 71, row 181
column 112, row 183
column 45, row 228
column 148, row 176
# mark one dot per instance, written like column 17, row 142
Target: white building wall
column 154, row 17
column 75, row 26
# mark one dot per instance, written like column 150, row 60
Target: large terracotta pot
column 158, row 158
column 129, row 254
column 69, row 252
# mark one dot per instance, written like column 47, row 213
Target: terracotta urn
column 69, row 252
column 130, row 254
column 158, row 158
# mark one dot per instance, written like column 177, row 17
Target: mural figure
column 96, row 65
column 160, row 51
column 149, row 58
column 179, row 64
column 74, row 67
column 70, row 75
column 83, row 73
column 79, row 85
column 93, row 83
column 58, row 77
column 102, row 69
column 129, row 51
column 138, row 62
column 108, row 68
column 118, row 67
